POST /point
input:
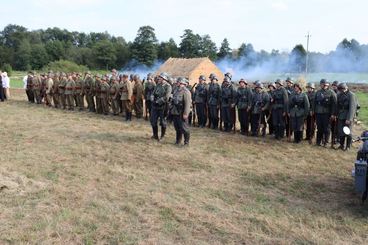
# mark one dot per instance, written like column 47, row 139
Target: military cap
column 296, row 84
column 259, row 85
column 335, row 83
column 311, row 85
column 280, row 82
column 202, row 77
column 243, row 81
column 342, row 85
column 214, row 77
column 289, row 80
column 184, row 81
column 211, row 76
column 271, row 85
column 226, row 79
column 164, row 76
column 323, row 81
column 228, row 75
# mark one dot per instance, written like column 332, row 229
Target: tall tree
column 105, row 54
column 167, row 50
column 190, row 44
column 39, row 56
column 297, row 58
column 225, row 50
column 207, row 47
column 22, row 58
column 145, row 45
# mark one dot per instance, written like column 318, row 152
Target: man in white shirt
column 6, row 85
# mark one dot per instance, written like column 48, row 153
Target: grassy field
column 79, row 178
column 363, row 101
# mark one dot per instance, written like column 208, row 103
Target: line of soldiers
column 284, row 108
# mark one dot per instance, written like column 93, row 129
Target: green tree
column 190, row 44
column 297, row 58
column 105, row 54
column 22, row 57
column 39, row 56
column 225, row 50
column 145, row 46
column 168, row 49
column 12, row 35
column 122, row 52
column 55, row 50
column 208, row 47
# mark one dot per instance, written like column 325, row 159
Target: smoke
column 134, row 67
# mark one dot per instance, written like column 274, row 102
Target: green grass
column 363, row 101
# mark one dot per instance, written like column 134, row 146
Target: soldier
column 228, row 99
column 334, row 133
column 104, row 89
column 43, row 87
column 180, row 109
column 137, row 96
column 311, row 126
column 298, row 111
column 98, row 94
column 29, row 88
column 149, row 86
column 89, row 87
column 55, row 90
column 200, row 101
column 280, row 103
column 324, row 108
column 37, row 88
column 346, row 109
column 126, row 89
column 62, row 94
column 271, row 89
column 244, row 104
column 69, row 92
column 49, row 90
column 260, row 103
column 114, row 91
column 290, row 90
column 78, row 93
column 334, row 87
column 160, row 97
column 214, row 100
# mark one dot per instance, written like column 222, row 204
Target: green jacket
column 244, row 98
column 280, row 99
column 325, row 102
column 299, row 105
column 346, row 106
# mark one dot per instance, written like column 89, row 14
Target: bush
column 7, row 68
column 65, row 66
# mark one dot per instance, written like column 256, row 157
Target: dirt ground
column 80, row 178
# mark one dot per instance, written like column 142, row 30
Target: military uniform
column 148, row 90
column 346, row 109
column 200, row 100
column 126, row 90
column 79, row 93
column 298, row 110
column 69, row 93
column 98, row 96
column 228, row 99
column 138, row 98
column 244, row 104
column 214, row 100
column 181, row 103
column 104, row 90
column 279, row 109
column 311, row 126
column 37, row 89
column 55, row 91
column 113, row 92
column 62, row 94
column 43, row 88
column 29, row 89
column 89, row 90
column 160, row 97
column 324, row 107
column 49, row 91
column 260, row 103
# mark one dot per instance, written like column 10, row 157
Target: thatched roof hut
column 190, row 68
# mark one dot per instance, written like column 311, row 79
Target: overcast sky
column 267, row 24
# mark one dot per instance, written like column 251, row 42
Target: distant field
column 363, row 114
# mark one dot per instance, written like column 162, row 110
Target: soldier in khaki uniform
column 69, row 92
column 126, row 90
column 49, row 90
column 138, row 96
column 104, row 90
column 180, row 109
column 43, row 87
column 62, row 95
column 98, row 94
column 29, row 88
column 113, row 93
column 89, row 90
column 55, row 90
column 79, row 96
column 37, row 88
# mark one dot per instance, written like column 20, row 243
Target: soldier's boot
column 179, row 136
column 186, row 139
column 264, row 132
column 155, row 133
column 163, row 132
column 342, row 141
column 130, row 116
column 319, row 139
column 127, row 116
column 348, row 143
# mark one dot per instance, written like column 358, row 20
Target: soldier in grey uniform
column 346, row 109
column 228, row 99
column 200, row 101
column 244, row 104
column 260, row 103
column 324, row 107
column 280, row 103
column 214, row 91
column 299, row 110
column 311, row 120
column 180, row 109
column 149, row 86
column 159, row 98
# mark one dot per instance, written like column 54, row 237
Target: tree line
column 23, row 49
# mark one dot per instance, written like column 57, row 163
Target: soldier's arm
column 187, row 103
column 306, row 105
column 130, row 90
column 168, row 93
column 333, row 104
column 267, row 99
column 286, row 101
column 352, row 107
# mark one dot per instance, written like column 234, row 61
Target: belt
column 62, row 87
column 103, row 92
column 69, row 88
column 78, row 87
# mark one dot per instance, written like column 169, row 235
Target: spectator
column 6, row 85
column 25, row 78
column 1, row 88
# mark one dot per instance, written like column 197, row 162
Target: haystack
column 190, row 68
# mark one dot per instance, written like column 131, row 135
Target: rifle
column 194, row 112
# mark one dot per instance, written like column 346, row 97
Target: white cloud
column 280, row 6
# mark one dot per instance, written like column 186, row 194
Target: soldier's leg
column 105, row 106
column 186, row 131
column 28, row 95
column 139, row 106
column 81, row 102
column 162, row 123
column 199, row 112
column 327, row 128
column 241, row 120
column 154, row 122
column 176, row 119
column 264, row 122
column 255, row 124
